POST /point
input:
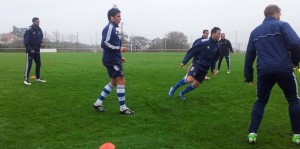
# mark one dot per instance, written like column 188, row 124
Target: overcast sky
column 149, row 18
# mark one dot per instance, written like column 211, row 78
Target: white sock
column 98, row 102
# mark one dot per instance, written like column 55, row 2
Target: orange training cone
column 33, row 77
column 107, row 145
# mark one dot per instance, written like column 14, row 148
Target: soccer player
column 204, row 36
column 112, row 60
column 204, row 53
column 33, row 41
column 225, row 47
column 277, row 47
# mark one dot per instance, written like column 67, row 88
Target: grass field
column 59, row 114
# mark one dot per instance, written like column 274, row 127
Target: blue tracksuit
column 33, row 38
column 204, row 53
column 274, row 43
column 111, row 43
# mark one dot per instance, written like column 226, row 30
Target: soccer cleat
column 26, row 82
column 217, row 71
column 40, row 80
column 99, row 108
column 182, row 96
column 127, row 112
column 228, row 71
column 207, row 78
column 171, row 92
column 252, row 138
column 296, row 139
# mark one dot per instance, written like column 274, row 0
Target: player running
column 204, row 36
column 204, row 53
column 112, row 60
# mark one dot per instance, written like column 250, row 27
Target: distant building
column 9, row 38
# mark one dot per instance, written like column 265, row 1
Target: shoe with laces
column 182, row 96
column 171, row 92
column 252, row 138
column 26, row 82
column 40, row 80
column 126, row 112
column 99, row 108
column 296, row 138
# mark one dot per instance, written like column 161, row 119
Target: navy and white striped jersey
column 111, row 44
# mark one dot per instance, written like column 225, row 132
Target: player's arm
column 249, row 60
column 42, row 37
column 230, row 47
column 190, row 53
column 108, row 39
column 293, row 42
column 26, row 41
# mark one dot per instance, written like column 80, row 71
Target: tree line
column 172, row 40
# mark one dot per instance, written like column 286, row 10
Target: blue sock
column 106, row 90
column 188, row 89
column 180, row 83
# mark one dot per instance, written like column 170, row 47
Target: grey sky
column 151, row 18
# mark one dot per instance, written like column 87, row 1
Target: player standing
column 33, row 41
column 277, row 47
column 204, row 53
column 225, row 48
column 112, row 60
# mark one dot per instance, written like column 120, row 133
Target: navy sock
column 180, row 83
column 188, row 89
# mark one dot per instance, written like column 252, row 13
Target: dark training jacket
column 33, row 39
column 204, row 53
column 111, row 44
column 225, row 47
column 277, row 47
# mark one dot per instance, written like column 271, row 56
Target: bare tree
column 139, row 42
column 176, row 40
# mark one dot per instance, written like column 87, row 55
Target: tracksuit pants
column 288, row 83
column 227, row 61
column 37, row 59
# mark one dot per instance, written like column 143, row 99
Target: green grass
column 58, row 114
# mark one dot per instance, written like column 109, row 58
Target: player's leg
column 264, row 87
column 182, row 81
column 37, row 60
column 198, row 78
column 106, row 90
column 121, row 90
column 288, row 83
column 219, row 63
column 188, row 70
column 27, row 68
column 227, row 57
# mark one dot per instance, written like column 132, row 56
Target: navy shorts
column 115, row 71
column 197, row 73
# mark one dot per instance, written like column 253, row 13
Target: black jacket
column 225, row 46
column 33, row 39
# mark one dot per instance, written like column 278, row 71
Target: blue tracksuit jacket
column 204, row 53
column 33, row 38
column 111, row 43
column 275, row 43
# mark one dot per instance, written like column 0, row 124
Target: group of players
column 275, row 44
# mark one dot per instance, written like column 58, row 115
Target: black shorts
column 197, row 73
column 115, row 71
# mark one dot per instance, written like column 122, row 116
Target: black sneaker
column 99, row 108
column 127, row 112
